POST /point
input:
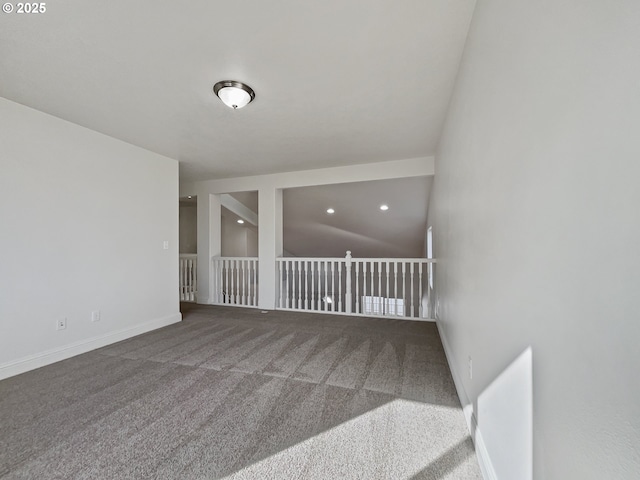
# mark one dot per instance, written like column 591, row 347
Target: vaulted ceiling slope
column 337, row 82
column 357, row 224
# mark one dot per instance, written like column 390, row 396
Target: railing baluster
column 281, row 275
column 246, row 271
column 293, row 283
column 240, row 282
column 371, row 294
column 404, row 289
column 420, row 287
column 322, row 287
column 194, row 279
column 227, row 275
column 187, row 283
column 185, row 274
column 357, row 277
column 332, row 288
column 234, row 282
column 181, row 263
column 387, row 294
column 428, row 286
column 232, row 293
column 306, row 285
column 225, row 287
column 380, row 286
column 248, row 281
column 187, row 262
column 217, row 281
column 183, row 279
column 299, row 284
column 413, row 311
column 226, row 284
column 230, row 286
column 286, row 292
column 254, row 281
column 312, row 272
column 339, row 265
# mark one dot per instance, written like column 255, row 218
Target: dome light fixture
column 384, row 207
column 234, row 94
column 240, row 221
column 330, row 211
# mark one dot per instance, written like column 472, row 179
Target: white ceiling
column 337, row 82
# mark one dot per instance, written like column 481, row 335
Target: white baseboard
column 25, row 364
column 486, row 467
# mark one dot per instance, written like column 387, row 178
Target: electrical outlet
column 95, row 316
column 470, row 368
column 61, row 324
column 165, row 245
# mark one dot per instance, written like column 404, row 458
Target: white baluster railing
column 388, row 287
column 235, row 281
column 188, row 277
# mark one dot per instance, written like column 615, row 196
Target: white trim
column 244, row 212
column 486, row 467
column 412, row 167
column 239, row 305
column 31, row 362
column 352, row 314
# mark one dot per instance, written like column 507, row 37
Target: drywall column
column 209, row 242
column 269, row 244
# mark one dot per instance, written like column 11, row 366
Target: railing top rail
column 312, row 259
column 234, row 258
column 406, row 260
column 188, row 255
column 354, row 259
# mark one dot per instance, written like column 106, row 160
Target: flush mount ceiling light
column 234, row 94
column 384, row 208
column 240, row 221
column 330, row 211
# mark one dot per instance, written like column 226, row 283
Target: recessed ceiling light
column 384, row 208
column 240, row 220
column 330, row 211
column 234, row 94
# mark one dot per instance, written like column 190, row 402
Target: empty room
column 320, row 240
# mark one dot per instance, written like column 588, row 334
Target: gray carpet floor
column 238, row 394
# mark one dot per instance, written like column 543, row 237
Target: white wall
column 188, row 229
column 536, row 223
column 238, row 240
column 83, row 218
